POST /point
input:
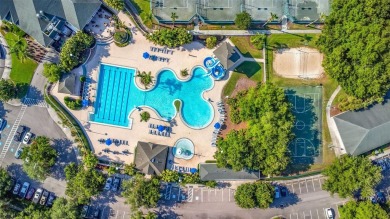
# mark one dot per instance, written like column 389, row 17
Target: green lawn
column 246, row 48
column 251, row 70
column 21, row 73
column 143, row 8
column 291, row 40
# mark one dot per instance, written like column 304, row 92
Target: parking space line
column 229, row 194
column 201, row 194
column 300, row 191
column 124, row 213
column 222, row 194
column 312, row 180
column 318, row 215
column 117, row 213
column 307, row 189
column 311, row 216
column 292, row 186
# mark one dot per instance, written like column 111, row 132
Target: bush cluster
column 170, row 37
column 73, row 104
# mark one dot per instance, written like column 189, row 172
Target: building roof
column 24, row 13
column 67, row 84
column 364, row 130
column 226, row 55
column 151, row 158
column 210, row 171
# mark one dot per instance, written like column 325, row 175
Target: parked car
column 37, row 195
column 30, row 193
column 3, row 123
column 18, row 153
column 329, row 213
column 19, row 133
column 108, row 183
column 277, row 192
column 24, row 189
column 283, row 192
column 16, row 188
column 27, row 137
column 116, row 183
column 380, row 197
column 50, row 200
column 96, row 213
column 84, row 211
column 44, row 197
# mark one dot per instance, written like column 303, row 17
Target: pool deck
column 186, row 56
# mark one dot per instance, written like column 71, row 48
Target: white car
column 108, row 183
column 27, row 137
column 329, row 213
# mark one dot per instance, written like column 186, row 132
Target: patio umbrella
column 85, row 103
column 161, row 128
column 108, row 142
column 217, row 125
column 145, row 55
column 193, row 170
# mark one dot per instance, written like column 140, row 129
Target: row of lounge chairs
column 154, row 126
column 158, row 58
column 181, row 169
column 222, row 118
column 155, row 132
column 162, row 50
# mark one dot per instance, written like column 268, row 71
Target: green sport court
column 306, row 101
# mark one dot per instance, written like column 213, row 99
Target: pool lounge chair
column 155, row 132
column 159, row 133
column 150, row 131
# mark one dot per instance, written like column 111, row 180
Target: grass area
column 177, row 104
column 250, row 70
column 246, row 48
column 219, row 27
column 292, row 40
column 21, row 73
column 295, row 26
column 143, row 8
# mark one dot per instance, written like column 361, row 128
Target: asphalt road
column 39, row 122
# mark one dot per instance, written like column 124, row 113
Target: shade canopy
column 85, row 103
column 217, row 125
column 161, row 128
column 108, row 142
column 145, row 55
column 193, row 170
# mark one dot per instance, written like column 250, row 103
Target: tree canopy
column 258, row 40
column 211, row 42
column 357, row 47
column 52, row 72
column 116, row 4
column 90, row 160
column 5, row 182
column 73, row 50
column 39, row 157
column 170, row 37
column 7, row 90
column 85, row 184
column 263, row 145
column 243, row 20
column 170, row 176
column 348, row 175
column 251, row 195
column 141, row 192
column 362, row 210
column 62, row 208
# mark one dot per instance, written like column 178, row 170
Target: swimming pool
column 117, row 95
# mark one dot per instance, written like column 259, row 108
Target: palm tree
column 321, row 18
column 20, row 49
column 146, row 78
column 271, row 18
column 173, row 17
column 149, row 18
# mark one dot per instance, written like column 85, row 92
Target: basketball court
column 306, row 101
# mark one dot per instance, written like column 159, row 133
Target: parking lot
column 304, row 186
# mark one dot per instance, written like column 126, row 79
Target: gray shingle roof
column 210, row 171
column 76, row 12
column 67, row 84
column 226, row 55
column 364, row 130
column 151, row 158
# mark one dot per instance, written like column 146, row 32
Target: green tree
column 191, row 178
column 145, row 116
column 348, row 175
column 73, row 104
column 357, row 54
column 5, row 210
column 19, row 47
column 33, row 212
column 90, row 160
column 5, row 182
column 272, row 17
column 139, row 215
column 87, row 183
column 130, row 169
column 39, row 157
column 140, row 192
column 112, row 169
column 71, row 170
column 251, row 195
column 62, row 208
column 211, row 42
column 116, row 4
column 7, row 90
column 174, row 17
column 184, row 72
column 52, row 72
column 258, row 40
column 263, row 145
column 243, row 20
column 211, row 184
column 170, row 37
column 146, row 78
column 170, row 176
column 73, row 51
column 362, row 210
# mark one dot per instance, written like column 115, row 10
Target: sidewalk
column 5, row 66
column 250, row 32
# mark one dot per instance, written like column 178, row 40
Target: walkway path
column 5, row 64
column 332, row 125
column 250, row 32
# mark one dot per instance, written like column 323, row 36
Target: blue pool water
column 117, row 95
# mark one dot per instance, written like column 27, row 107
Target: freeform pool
column 117, row 95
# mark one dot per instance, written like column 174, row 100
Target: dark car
column 50, row 200
column 30, row 193
column 24, row 190
column 116, row 183
column 95, row 213
column 84, row 211
column 19, row 133
column 17, row 188
column 3, row 123
column 44, row 197
column 380, row 197
column 283, row 192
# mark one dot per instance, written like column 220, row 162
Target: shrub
column 7, row 90
column 52, row 72
column 211, row 184
column 71, row 103
column 121, row 37
column 83, row 79
column 145, row 116
column 211, row 42
column 170, row 37
column 243, row 20
column 115, row 4
column 177, row 105
column 184, row 72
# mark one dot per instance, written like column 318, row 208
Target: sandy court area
column 300, row 62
